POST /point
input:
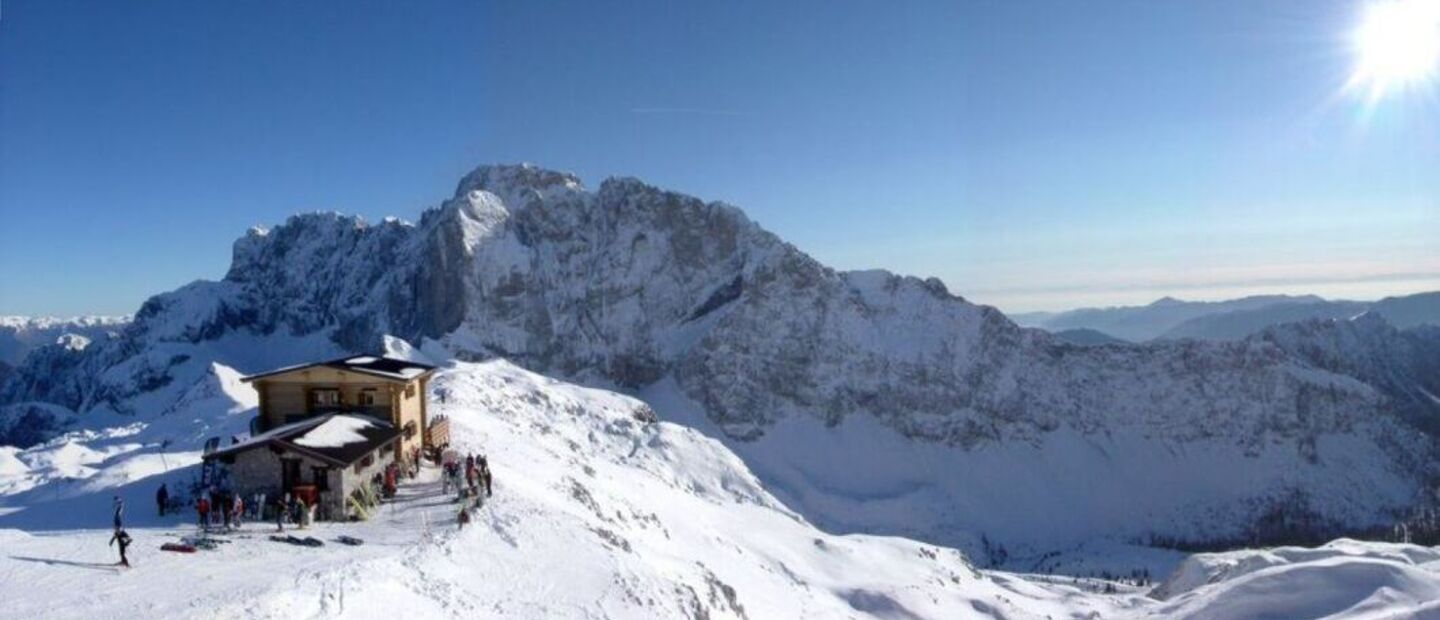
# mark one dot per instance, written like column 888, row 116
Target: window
column 410, row 391
column 320, row 477
column 367, row 397
column 325, row 398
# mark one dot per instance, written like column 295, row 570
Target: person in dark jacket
column 119, row 511
column 124, row 539
column 162, row 497
column 226, row 506
column 282, row 508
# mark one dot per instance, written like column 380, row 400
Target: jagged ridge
column 632, row 285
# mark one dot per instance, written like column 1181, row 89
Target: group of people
column 294, row 509
column 216, row 507
column 471, row 480
column 473, row 488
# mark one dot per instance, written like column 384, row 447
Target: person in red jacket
column 202, row 507
column 391, row 473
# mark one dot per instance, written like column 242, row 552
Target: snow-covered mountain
column 1172, row 319
column 20, row 335
column 865, row 400
column 599, row 510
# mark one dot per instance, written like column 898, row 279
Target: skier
column 124, row 540
column 202, row 506
column 119, row 511
column 485, row 478
column 162, row 497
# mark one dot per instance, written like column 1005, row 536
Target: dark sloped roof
column 329, row 438
column 375, row 365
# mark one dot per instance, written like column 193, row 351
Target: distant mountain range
column 865, row 400
column 1173, row 319
column 1087, row 337
column 19, row 335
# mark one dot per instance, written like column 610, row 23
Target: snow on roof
column 374, row 365
column 335, row 432
column 340, row 438
column 263, row 438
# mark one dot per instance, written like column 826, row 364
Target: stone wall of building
column 259, row 471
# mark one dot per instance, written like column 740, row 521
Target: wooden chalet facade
column 326, row 428
column 389, row 389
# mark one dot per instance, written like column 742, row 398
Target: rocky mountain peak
column 519, row 185
column 636, row 286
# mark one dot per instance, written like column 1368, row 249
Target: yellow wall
column 409, row 411
column 287, row 394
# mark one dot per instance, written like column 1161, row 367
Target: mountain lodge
column 324, row 429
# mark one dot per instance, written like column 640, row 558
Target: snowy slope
column 599, row 511
column 799, row 368
column 1343, row 579
column 20, row 335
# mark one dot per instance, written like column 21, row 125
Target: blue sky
column 1034, row 155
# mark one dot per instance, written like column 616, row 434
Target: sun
column 1397, row 45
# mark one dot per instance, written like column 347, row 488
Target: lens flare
column 1397, row 45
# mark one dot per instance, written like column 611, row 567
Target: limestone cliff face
column 630, row 284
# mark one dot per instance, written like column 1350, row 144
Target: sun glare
column 1397, row 45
